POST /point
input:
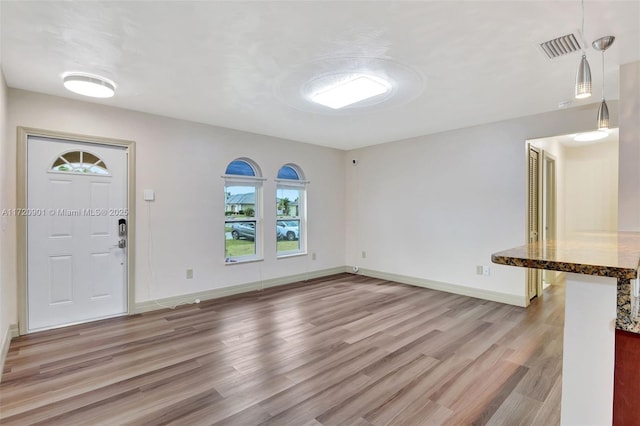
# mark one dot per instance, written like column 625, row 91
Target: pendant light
column 583, row 76
column 603, row 44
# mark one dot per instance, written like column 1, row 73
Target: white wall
column 183, row 161
column 591, row 188
column 629, row 181
column 434, row 207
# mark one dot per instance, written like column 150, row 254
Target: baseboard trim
column 494, row 296
column 170, row 302
column 11, row 332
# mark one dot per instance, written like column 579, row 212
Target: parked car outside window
column 243, row 230
column 288, row 230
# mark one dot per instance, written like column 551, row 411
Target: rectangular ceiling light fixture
column 349, row 92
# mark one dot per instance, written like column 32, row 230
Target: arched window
column 240, row 168
column 243, row 211
column 290, row 211
column 81, row 162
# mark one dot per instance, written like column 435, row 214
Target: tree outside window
column 290, row 204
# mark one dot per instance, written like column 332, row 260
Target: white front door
column 76, row 257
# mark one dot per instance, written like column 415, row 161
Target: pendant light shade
column 583, row 76
column 602, row 44
column 603, row 116
column 583, row 79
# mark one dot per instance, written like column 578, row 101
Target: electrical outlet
column 364, row 254
column 313, row 256
column 486, row 270
column 479, row 269
column 189, row 274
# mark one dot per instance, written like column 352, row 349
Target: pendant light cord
column 583, row 36
column 603, row 74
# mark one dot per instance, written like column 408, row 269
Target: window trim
column 242, row 179
column 292, row 182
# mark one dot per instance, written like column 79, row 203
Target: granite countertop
column 611, row 254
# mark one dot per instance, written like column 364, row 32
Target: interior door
column 76, row 232
column 533, row 217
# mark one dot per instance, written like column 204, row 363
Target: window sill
column 288, row 255
column 241, row 261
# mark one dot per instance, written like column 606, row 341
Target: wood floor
column 342, row 350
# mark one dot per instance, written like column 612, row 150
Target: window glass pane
column 80, row 168
column 288, row 233
column 288, row 220
column 240, row 239
column 240, row 201
column 239, row 167
column 89, row 158
column 287, row 172
column 240, row 223
column 97, row 170
column 80, row 162
column 72, row 157
column 288, row 202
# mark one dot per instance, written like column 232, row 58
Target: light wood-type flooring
column 341, row 350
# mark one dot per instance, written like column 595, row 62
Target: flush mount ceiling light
column 303, row 86
column 603, row 44
column 590, row 136
column 350, row 91
column 583, row 76
column 89, row 85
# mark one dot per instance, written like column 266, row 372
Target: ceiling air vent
column 560, row 46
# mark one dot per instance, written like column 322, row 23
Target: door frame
column 549, row 204
column 544, row 198
column 21, row 202
column 533, row 274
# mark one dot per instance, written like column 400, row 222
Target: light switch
column 149, row 195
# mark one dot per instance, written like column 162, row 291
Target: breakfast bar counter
column 601, row 296
column 615, row 254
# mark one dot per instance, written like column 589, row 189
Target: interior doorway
column 572, row 188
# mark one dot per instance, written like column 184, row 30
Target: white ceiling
column 240, row 64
